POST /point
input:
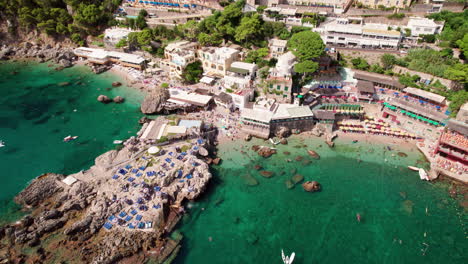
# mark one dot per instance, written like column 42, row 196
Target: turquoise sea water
column 36, row 113
column 236, row 223
column 404, row 220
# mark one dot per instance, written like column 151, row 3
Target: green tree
column 458, row 72
column 193, row 72
column 190, row 30
column 463, row 44
column 388, row 60
column 360, row 63
column 122, row 43
column 306, row 45
column 306, row 67
column 457, row 99
column 249, row 28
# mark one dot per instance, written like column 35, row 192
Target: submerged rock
column 289, row 184
column 407, row 206
column 266, row 152
column 116, row 84
column 313, row 154
column 248, row 137
column 249, row 180
column 286, row 153
column 257, row 167
column 297, row 178
column 267, row 174
column 298, row 158
column 311, row 186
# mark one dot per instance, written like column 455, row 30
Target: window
column 286, row 88
column 330, row 37
column 271, row 86
column 278, row 87
column 341, row 38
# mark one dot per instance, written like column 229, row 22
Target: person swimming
column 358, row 217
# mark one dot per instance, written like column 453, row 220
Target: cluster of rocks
column 264, row 151
column 62, row 56
column 100, row 68
column 105, row 99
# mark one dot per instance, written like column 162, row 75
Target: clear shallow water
column 36, row 113
column 245, row 224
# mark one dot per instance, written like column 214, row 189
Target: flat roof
column 175, row 130
column 291, row 111
column 244, row 65
column 69, row 180
column 103, row 54
column 190, row 123
column 428, row 95
column 458, row 126
column 191, row 98
column 258, row 115
column 278, row 42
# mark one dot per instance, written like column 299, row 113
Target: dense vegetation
column 75, row 18
column 193, row 72
column 455, row 28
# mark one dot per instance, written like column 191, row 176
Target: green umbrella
column 402, row 111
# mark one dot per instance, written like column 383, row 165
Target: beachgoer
column 358, row 217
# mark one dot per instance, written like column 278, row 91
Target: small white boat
column 423, row 175
column 69, row 138
column 287, row 259
column 413, row 168
column 2, row 144
column 118, row 142
column 273, row 142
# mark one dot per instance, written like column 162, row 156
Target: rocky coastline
column 63, row 56
column 69, row 213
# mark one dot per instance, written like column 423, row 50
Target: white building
column 277, row 47
column 353, row 32
column 279, row 81
column 386, row 3
column 101, row 56
column 177, row 56
column 241, row 98
column 240, row 75
column 113, row 35
column 424, row 26
column 216, row 61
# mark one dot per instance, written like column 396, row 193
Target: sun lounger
column 139, row 174
column 189, row 176
column 122, row 171
column 131, row 226
column 181, row 180
column 122, row 214
column 200, row 141
column 111, row 218
column 179, row 174
column 128, row 218
column 141, row 225
column 108, row 226
column 142, row 168
column 128, row 167
column 183, row 153
column 157, row 188
column 134, row 170
column 157, row 206
column 138, row 217
column 131, row 179
column 168, row 160
column 133, row 212
column 149, row 224
column 195, row 148
column 172, row 165
column 115, row 177
column 171, row 153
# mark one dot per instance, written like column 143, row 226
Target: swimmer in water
column 358, row 217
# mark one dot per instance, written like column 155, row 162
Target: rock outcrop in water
column 72, row 216
column 118, row 99
column 311, row 186
column 104, row 99
column 153, row 102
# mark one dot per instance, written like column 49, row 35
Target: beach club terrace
column 453, row 143
column 424, row 97
column 101, row 56
column 399, row 107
